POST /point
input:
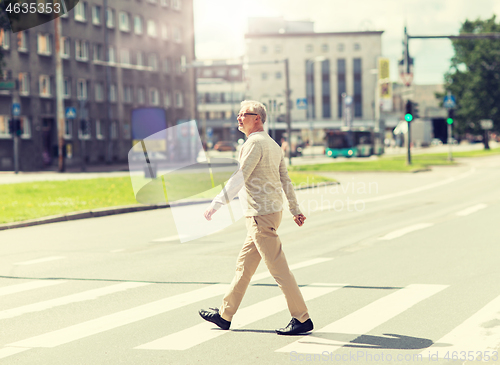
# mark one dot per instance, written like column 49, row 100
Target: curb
column 103, row 212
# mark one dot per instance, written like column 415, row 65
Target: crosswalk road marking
column 403, row 231
column 202, row 332
column 118, row 319
column 363, row 320
column 73, row 298
column 471, row 210
column 478, row 334
column 18, row 288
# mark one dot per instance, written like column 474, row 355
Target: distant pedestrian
column 262, row 179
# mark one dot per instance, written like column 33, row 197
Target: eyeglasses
column 245, row 114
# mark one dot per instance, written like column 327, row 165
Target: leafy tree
column 4, row 24
column 474, row 78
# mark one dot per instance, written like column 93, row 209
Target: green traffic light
column 449, row 120
column 408, row 117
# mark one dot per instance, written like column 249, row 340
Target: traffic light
column 84, row 127
column 11, row 126
column 409, row 114
column 17, row 127
column 451, row 115
column 414, row 110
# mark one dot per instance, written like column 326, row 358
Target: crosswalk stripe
column 471, row 210
column 403, row 231
column 18, row 288
column 9, row 351
column 478, row 334
column 118, row 319
column 37, row 261
column 73, row 298
column 204, row 331
column 364, row 319
column 299, row 265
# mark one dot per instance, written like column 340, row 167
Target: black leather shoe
column 296, row 328
column 212, row 315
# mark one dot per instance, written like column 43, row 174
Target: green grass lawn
column 395, row 163
column 40, row 199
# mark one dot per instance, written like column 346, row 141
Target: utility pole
column 107, row 89
column 59, row 95
column 15, row 122
column 288, row 107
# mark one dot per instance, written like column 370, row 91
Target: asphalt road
column 395, row 268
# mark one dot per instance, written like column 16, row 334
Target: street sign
column 449, row 101
column 70, row 113
column 302, row 103
column 7, row 85
column 486, row 124
column 210, row 132
column 16, row 109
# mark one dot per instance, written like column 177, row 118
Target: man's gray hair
column 255, row 107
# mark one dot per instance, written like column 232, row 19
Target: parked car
column 436, row 142
column 225, row 146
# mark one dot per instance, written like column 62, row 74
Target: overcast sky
column 220, row 25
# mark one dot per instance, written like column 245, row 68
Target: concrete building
column 220, row 87
column 149, row 43
column 323, row 67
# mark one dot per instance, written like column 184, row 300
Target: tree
column 474, row 78
column 4, row 24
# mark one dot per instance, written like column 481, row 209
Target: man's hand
column 208, row 214
column 299, row 219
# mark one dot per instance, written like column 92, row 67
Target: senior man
column 260, row 180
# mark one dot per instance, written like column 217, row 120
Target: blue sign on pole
column 70, row 113
column 449, row 101
column 302, row 103
column 16, row 109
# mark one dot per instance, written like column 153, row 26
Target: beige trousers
column 263, row 242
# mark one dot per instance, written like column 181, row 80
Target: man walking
column 261, row 178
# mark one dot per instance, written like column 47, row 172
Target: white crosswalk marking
column 73, row 298
column 18, row 288
column 471, row 210
column 108, row 322
column 363, row 320
column 403, row 231
column 195, row 335
column 478, row 334
column 37, row 261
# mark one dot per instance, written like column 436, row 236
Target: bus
column 353, row 143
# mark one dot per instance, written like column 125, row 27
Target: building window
column 166, row 65
column 278, row 75
column 358, row 89
column 151, row 28
column 164, row 2
column 140, row 95
column 81, row 50
column 325, row 89
column 22, row 41
column 137, row 24
column 44, row 44
column 167, row 102
column 110, row 18
column 164, row 32
column 99, row 91
column 325, row 48
column 176, row 4
column 98, row 54
column 179, row 100
column 66, row 88
column 340, row 47
column 80, row 11
column 278, row 48
column 357, row 46
column 154, row 97
column 309, row 48
column 4, row 125
column 263, row 49
column 264, row 76
column 140, row 59
column 84, row 130
column 341, row 85
column 112, row 93
column 25, row 127
column 24, row 84
column 125, row 56
column 114, row 130
column 96, row 15
column 311, row 112
column 111, row 55
column 177, row 35
column 235, row 72
column 5, row 38
column 81, row 89
column 99, row 129
column 153, row 62
column 68, row 128
column 153, row 1
column 45, row 86
column 127, row 94
column 65, row 47
column 178, row 67
column 124, row 23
